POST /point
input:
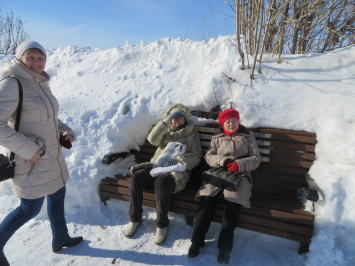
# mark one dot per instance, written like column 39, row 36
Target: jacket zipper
column 56, row 132
column 48, row 115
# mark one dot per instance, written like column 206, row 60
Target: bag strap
column 18, row 115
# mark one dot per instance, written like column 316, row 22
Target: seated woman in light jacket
column 234, row 148
column 40, row 166
column 177, row 126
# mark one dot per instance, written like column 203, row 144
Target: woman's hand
column 35, row 157
column 233, row 167
column 69, row 137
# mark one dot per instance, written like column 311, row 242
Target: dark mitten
column 64, row 142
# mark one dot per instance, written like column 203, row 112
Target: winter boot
column 73, row 241
column 131, row 229
column 3, row 260
column 161, row 235
column 223, row 256
column 194, row 250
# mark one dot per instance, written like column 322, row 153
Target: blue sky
column 110, row 23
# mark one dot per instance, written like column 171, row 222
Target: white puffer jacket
column 39, row 129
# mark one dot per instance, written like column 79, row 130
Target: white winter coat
column 38, row 121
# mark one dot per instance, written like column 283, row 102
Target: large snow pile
column 112, row 97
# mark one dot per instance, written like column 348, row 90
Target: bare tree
column 12, row 33
column 291, row 27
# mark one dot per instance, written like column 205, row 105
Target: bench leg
column 103, row 200
column 304, row 248
column 190, row 221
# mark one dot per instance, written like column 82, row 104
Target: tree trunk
column 260, row 16
column 238, row 25
column 282, row 30
column 250, row 26
column 297, row 11
column 270, row 27
column 307, row 29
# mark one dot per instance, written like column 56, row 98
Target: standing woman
column 234, row 148
column 40, row 166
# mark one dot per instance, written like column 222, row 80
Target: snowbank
column 112, row 97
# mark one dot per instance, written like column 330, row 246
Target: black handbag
column 221, row 177
column 7, row 165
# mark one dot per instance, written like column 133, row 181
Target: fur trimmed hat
column 24, row 46
column 226, row 114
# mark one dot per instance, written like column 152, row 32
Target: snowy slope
column 112, row 97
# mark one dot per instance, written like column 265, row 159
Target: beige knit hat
column 24, row 46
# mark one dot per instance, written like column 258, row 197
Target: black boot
column 3, row 260
column 73, row 241
column 194, row 250
column 223, row 256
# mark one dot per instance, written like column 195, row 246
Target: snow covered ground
column 112, row 97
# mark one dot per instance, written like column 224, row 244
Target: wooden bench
column 276, row 209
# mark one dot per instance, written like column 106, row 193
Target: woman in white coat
column 40, row 166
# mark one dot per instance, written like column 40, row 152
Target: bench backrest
column 286, row 158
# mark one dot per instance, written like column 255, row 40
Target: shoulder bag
column 7, row 165
column 221, row 177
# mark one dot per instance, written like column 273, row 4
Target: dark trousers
column 163, row 185
column 204, row 219
column 28, row 209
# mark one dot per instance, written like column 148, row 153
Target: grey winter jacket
column 39, row 130
column 241, row 148
column 162, row 134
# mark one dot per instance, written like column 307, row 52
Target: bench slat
column 296, row 163
column 279, row 177
column 283, row 131
column 257, row 181
column 290, row 217
column 274, row 191
column 273, row 143
column 281, row 169
column 288, row 154
column 269, row 152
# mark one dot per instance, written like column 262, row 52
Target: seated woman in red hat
column 234, row 149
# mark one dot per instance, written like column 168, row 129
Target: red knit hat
column 229, row 113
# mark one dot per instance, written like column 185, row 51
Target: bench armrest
column 110, row 158
column 313, row 190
